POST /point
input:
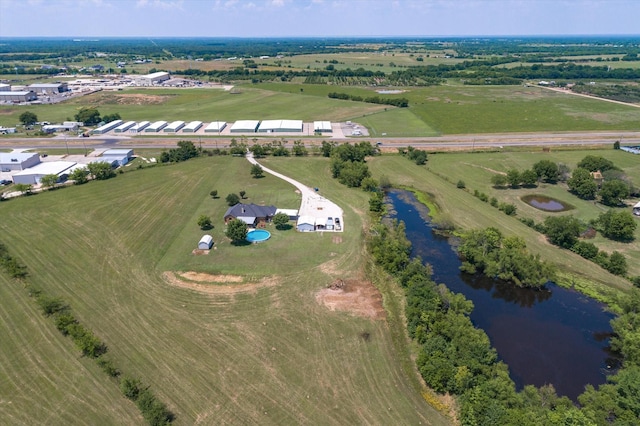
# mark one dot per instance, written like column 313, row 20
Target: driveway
column 312, row 204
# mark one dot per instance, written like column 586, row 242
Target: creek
column 552, row 335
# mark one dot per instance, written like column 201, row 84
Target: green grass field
column 447, row 109
column 273, row 355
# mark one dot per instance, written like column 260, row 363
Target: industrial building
column 124, row 127
column 32, row 175
column 117, row 157
column 174, row 126
column 322, row 127
column 10, row 161
column 107, row 127
column 69, row 126
column 153, row 78
column 156, row 126
column 215, row 127
column 280, row 126
column 49, row 88
column 23, row 96
column 245, row 126
column 139, row 127
column 192, row 127
column 5, row 87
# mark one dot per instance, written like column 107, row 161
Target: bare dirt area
column 357, row 297
column 211, row 284
column 198, row 252
column 131, row 99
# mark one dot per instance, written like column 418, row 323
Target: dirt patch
column 131, row 99
column 360, row 298
column 209, row 278
column 199, row 252
column 214, row 287
column 485, row 168
column 336, row 239
column 6, row 111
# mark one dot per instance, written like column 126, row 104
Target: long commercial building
column 49, row 87
column 280, row 126
column 139, row 127
column 156, row 126
column 107, row 127
column 125, row 126
column 192, row 127
column 215, row 127
column 153, row 78
column 245, row 126
column 174, row 126
column 32, row 175
column 10, row 161
column 23, row 96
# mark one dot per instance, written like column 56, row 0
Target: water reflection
column 551, row 335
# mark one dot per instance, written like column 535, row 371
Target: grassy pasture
column 449, row 109
column 467, row 212
column 270, row 356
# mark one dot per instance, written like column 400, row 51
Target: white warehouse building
column 280, row 126
column 32, row 175
column 18, row 160
column 153, row 78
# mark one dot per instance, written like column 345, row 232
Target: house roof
column 250, row 210
column 637, row 206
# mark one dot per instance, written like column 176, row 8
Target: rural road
column 495, row 140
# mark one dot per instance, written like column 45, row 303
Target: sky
column 316, row 18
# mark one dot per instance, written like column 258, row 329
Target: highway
column 436, row 143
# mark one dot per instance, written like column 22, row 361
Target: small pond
column 554, row 335
column 548, row 204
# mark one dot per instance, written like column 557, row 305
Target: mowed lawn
column 460, row 207
column 269, row 356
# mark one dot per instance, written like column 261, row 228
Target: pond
column 553, row 335
column 548, row 204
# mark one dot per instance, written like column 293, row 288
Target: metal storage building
column 153, row 78
column 174, row 126
column 32, row 176
column 121, row 156
column 4, row 87
column 156, row 126
column 49, row 87
column 24, row 96
column 245, row 126
column 275, row 126
column 106, row 127
column 18, row 160
column 205, row 242
column 192, row 127
column 125, row 126
column 306, row 224
column 215, row 127
column 322, row 127
column 139, row 127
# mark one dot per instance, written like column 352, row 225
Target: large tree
column 88, row 115
column 79, row 176
column 582, row 184
column 232, row 199
column 28, row 118
column 619, row 226
column 101, row 170
column 49, row 181
column 204, row 222
column 562, row 231
column 614, row 192
column 546, row 170
column 236, row 231
column 281, row 220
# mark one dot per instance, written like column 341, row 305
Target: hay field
column 265, row 353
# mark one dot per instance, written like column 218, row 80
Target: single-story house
column 251, row 214
column 205, row 242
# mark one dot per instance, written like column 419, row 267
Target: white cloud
column 160, row 4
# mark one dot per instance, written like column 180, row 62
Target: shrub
column 585, row 249
column 460, row 185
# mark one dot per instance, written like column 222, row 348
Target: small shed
column 205, row 242
column 636, row 209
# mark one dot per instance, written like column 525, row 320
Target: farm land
column 246, row 333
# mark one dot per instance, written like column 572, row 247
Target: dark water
column 554, row 335
column 545, row 203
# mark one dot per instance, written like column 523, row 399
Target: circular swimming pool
column 258, row 235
